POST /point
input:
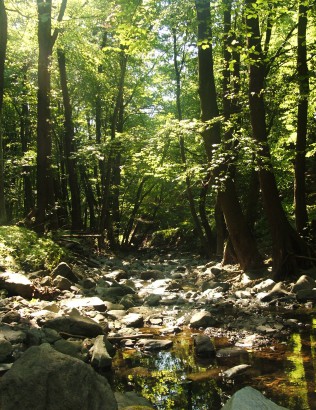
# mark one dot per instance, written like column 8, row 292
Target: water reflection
column 174, row 379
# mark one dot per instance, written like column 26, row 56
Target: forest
column 190, row 122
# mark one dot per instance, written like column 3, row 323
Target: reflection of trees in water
column 303, row 373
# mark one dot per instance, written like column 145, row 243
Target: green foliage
column 21, row 248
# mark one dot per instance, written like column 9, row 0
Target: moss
column 21, row 248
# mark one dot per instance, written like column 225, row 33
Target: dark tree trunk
column 3, row 48
column 301, row 217
column 286, row 243
column 76, row 217
column 241, row 237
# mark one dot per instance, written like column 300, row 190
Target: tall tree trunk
column 46, row 210
column 301, row 217
column 286, row 243
column 25, row 139
column 241, row 237
column 76, row 217
column 3, row 48
column 206, row 246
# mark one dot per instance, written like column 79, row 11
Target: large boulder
column 249, row 398
column 202, row 319
column 75, row 325
column 44, row 379
column 16, row 284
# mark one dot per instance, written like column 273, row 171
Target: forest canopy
column 193, row 120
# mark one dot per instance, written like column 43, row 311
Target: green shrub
column 21, row 248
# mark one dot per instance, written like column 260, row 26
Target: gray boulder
column 75, row 325
column 65, row 270
column 102, row 354
column 202, row 319
column 44, row 379
column 16, row 284
column 250, row 399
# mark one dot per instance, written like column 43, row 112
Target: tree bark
column 301, row 217
column 3, row 48
column 241, row 237
column 286, row 243
column 76, row 217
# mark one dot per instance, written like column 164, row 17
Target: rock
column 46, row 281
column 264, row 286
column 101, row 357
column 154, row 344
column 64, row 270
column 231, row 352
column 117, row 274
column 250, row 399
column 93, row 302
column 151, row 274
column 11, row 317
column 303, row 295
column 236, row 371
column 204, row 346
column 16, row 284
column 128, row 301
column 304, row 282
column 152, row 300
column 276, row 292
column 202, row 319
column 78, row 325
column 88, row 283
column 5, row 348
column 62, row 283
column 133, row 320
column 44, row 379
column 70, row 348
column 14, row 336
column 115, row 293
column 37, row 336
column 131, row 401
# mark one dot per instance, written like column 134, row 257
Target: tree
column 3, row 47
column 287, row 246
column 241, row 238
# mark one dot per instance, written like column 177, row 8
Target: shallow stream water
column 176, row 379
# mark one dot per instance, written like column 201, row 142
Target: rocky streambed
column 132, row 316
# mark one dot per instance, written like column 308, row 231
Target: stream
column 176, row 379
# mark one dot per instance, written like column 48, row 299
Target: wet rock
column 202, row 319
column 133, row 320
column 77, row 325
column 154, row 344
column 16, row 284
column 204, row 346
column 304, row 295
column 43, row 371
column 64, row 270
column 11, row 317
column 5, row 348
column 250, row 399
column 62, row 283
column 131, row 401
column 304, row 282
column 236, row 371
column 231, row 352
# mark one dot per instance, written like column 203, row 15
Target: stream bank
column 152, row 307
